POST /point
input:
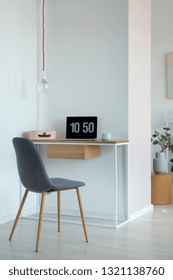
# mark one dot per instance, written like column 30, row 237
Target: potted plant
column 163, row 140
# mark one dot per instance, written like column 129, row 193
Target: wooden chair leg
column 59, row 209
column 40, row 220
column 82, row 213
column 18, row 214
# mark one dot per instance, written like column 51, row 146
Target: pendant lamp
column 43, row 86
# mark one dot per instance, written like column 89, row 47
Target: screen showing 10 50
column 82, row 127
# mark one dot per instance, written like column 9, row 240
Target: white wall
column 162, row 43
column 87, row 67
column 86, row 62
column 18, row 104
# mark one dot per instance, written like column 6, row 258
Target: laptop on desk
column 81, row 127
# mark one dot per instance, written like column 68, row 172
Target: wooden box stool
column 161, row 188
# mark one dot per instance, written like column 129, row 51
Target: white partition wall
column 139, row 109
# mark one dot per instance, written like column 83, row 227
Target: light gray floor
column 148, row 237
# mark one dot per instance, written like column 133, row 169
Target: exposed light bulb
column 43, row 86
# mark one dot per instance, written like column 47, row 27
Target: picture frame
column 169, row 75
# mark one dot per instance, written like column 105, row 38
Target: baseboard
column 76, row 213
column 29, row 211
column 103, row 216
column 34, row 210
column 11, row 217
column 7, row 218
column 141, row 212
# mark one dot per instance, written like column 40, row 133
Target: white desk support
column 114, row 144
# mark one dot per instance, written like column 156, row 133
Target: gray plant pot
column 160, row 163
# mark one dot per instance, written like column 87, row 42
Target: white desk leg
column 127, row 174
column 38, row 195
column 115, row 183
column 125, row 146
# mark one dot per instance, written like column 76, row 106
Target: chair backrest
column 31, row 169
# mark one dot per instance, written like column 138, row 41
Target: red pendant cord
column 43, row 47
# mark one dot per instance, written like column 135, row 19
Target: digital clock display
column 81, row 127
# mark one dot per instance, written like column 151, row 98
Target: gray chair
column 34, row 178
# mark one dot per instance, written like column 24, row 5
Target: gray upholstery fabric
column 32, row 171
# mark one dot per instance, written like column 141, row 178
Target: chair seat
column 59, row 184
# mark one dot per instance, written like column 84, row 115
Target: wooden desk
column 98, row 143
column 90, row 142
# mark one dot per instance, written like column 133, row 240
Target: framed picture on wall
column 169, row 75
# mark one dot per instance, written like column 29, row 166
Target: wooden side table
column 161, row 188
